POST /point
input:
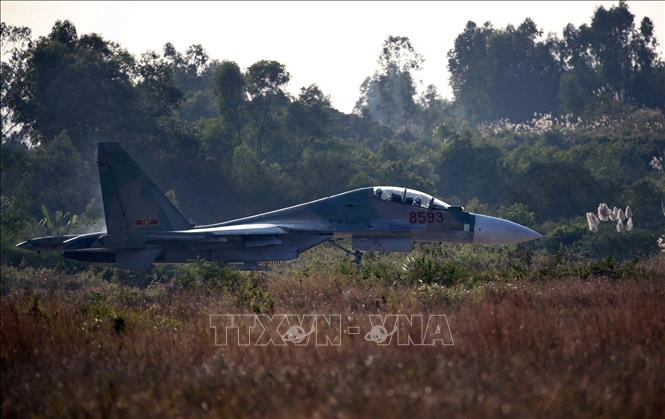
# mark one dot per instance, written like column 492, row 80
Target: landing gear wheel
column 357, row 258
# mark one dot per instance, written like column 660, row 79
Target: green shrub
column 253, row 295
column 379, row 271
column 429, row 270
column 621, row 246
column 202, row 272
column 563, row 236
column 610, row 268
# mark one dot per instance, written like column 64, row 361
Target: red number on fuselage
column 425, row 217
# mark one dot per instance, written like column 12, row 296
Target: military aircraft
column 144, row 227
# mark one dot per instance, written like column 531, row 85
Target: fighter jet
column 144, row 227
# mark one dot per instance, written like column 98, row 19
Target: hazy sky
column 333, row 44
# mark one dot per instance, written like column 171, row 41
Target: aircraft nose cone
column 492, row 230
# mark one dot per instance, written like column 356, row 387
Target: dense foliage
column 513, row 72
column 226, row 141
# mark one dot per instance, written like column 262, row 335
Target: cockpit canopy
column 408, row 197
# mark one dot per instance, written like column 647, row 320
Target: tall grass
column 529, row 346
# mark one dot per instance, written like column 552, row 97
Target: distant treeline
column 226, row 141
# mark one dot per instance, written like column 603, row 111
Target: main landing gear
column 357, row 254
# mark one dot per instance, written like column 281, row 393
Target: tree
column 81, row 85
column 265, row 82
column 433, row 108
column 189, row 68
column 231, row 96
column 15, row 42
column 52, row 174
column 156, row 87
column 196, row 59
column 610, row 35
column 504, row 73
column 556, row 189
column 611, row 61
column 254, row 177
column 310, row 115
column 469, row 68
column 469, row 167
column 266, row 78
column 12, row 219
column 388, row 96
column 398, row 53
column 325, row 167
column 193, row 75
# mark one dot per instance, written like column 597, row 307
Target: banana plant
column 58, row 222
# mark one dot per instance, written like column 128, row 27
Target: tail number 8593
column 425, row 217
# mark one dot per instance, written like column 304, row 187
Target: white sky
column 333, row 44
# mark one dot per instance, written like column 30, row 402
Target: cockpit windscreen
column 408, row 197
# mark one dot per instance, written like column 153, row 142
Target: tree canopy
column 226, row 141
column 513, row 73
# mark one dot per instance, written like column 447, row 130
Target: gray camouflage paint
column 145, row 227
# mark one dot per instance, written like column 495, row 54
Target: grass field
column 88, row 344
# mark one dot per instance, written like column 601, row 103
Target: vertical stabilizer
column 132, row 202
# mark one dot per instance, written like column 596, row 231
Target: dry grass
column 557, row 348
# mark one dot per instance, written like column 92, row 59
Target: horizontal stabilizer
column 45, row 243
